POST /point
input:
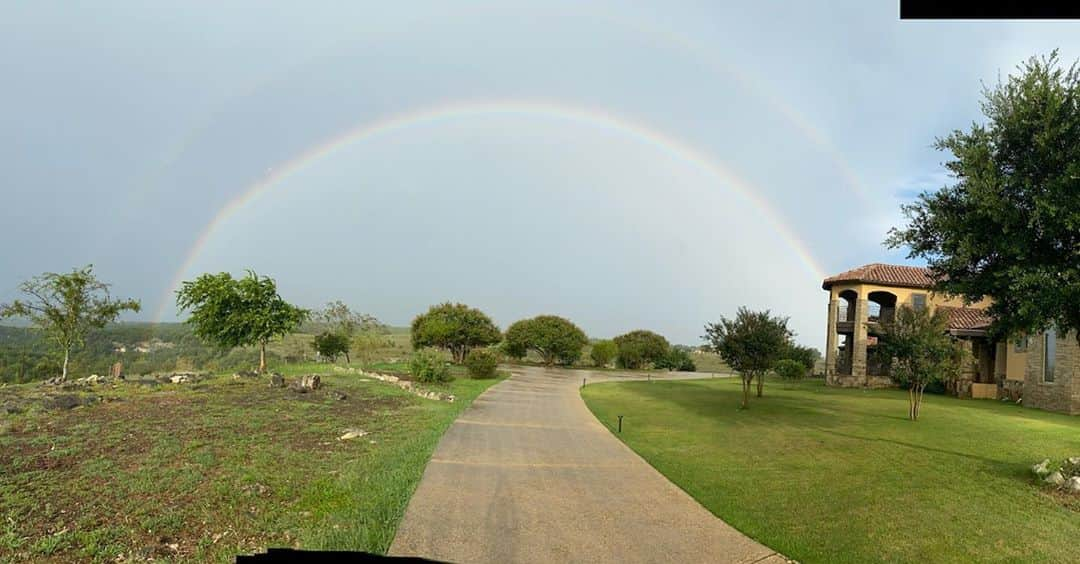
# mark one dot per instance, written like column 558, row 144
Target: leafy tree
column 1009, row 227
column 66, row 307
column 921, row 351
column 231, row 312
column 554, row 338
column 457, row 328
column 331, row 345
column 750, row 344
column 806, row 356
column 603, row 352
column 677, row 358
column 639, row 348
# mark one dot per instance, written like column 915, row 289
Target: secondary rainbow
column 464, row 110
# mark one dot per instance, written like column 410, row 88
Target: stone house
column 1042, row 369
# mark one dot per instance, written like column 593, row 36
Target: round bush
column 428, row 366
column 790, row 369
column 481, row 363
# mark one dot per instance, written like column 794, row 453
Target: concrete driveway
column 527, row 474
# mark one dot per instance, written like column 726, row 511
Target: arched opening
column 846, row 310
column 882, row 306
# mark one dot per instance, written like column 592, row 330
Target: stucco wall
column 903, row 295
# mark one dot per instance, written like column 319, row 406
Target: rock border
column 403, row 384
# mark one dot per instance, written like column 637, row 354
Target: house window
column 918, row 302
column 1049, row 351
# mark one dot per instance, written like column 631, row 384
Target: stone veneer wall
column 1063, row 394
column 845, row 381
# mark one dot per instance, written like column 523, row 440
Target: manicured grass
column 203, row 472
column 831, row 475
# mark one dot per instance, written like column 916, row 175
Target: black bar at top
column 989, row 10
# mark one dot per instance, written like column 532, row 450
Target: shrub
column 789, row 369
column 677, row 359
column 482, row 363
column 428, row 366
column 457, row 328
column 639, row 348
column 603, row 352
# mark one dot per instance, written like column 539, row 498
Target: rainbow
column 680, row 150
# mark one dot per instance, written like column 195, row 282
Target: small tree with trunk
column 750, row 344
column 457, row 328
column 921, row 351
column 556, row 339
column 66, row 307
column 341, row 320
column 231, row 312
column 332, row 345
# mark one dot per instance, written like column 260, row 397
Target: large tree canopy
column 67, row 307
column 457, row 328
column 1009, row 227
column 639, row 348
column 231, row 312
column 556, row 339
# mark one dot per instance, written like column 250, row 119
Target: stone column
column 858, row 352
column 830, row 341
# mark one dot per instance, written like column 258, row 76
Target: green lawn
column 832, row 475
column 203, row 472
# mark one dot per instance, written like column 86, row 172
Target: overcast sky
column 622, row 164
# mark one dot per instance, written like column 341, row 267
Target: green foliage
column 921, row 351
column 789, row 369
column 603, row 352
column 230, row 312
column 677, row 358
column 337, row 317
column 429, row 367
column 1010, row 225
column 66, row 307
column 331, row 345
column 554, row 338
column 806, row 356
column 638, row 349
column 750, row 344
column 482, row 363
column 457, row 328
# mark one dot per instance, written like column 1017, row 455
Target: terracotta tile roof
column 886, row 274
column 966, row 318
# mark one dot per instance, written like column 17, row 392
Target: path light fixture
column 620, row 423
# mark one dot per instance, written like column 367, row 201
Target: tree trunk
column 760, row 383
column 63, row 372
column 745, row 392
column 347, row 360
column 262, row 357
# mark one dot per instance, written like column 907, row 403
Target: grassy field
column 832, row 475
column 201, row 472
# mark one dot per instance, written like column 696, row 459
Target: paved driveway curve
column 527, row 474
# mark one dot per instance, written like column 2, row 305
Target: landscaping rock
column 1056, row 479
column 183, row 378
column 67, row 401
column 310, row 382
column 352, row 434
column 1041, row 469
column 1073, row 485
column 12, row 408
column 245, row 374
column 93, row 379
column 340, row 396
column 277, row 380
